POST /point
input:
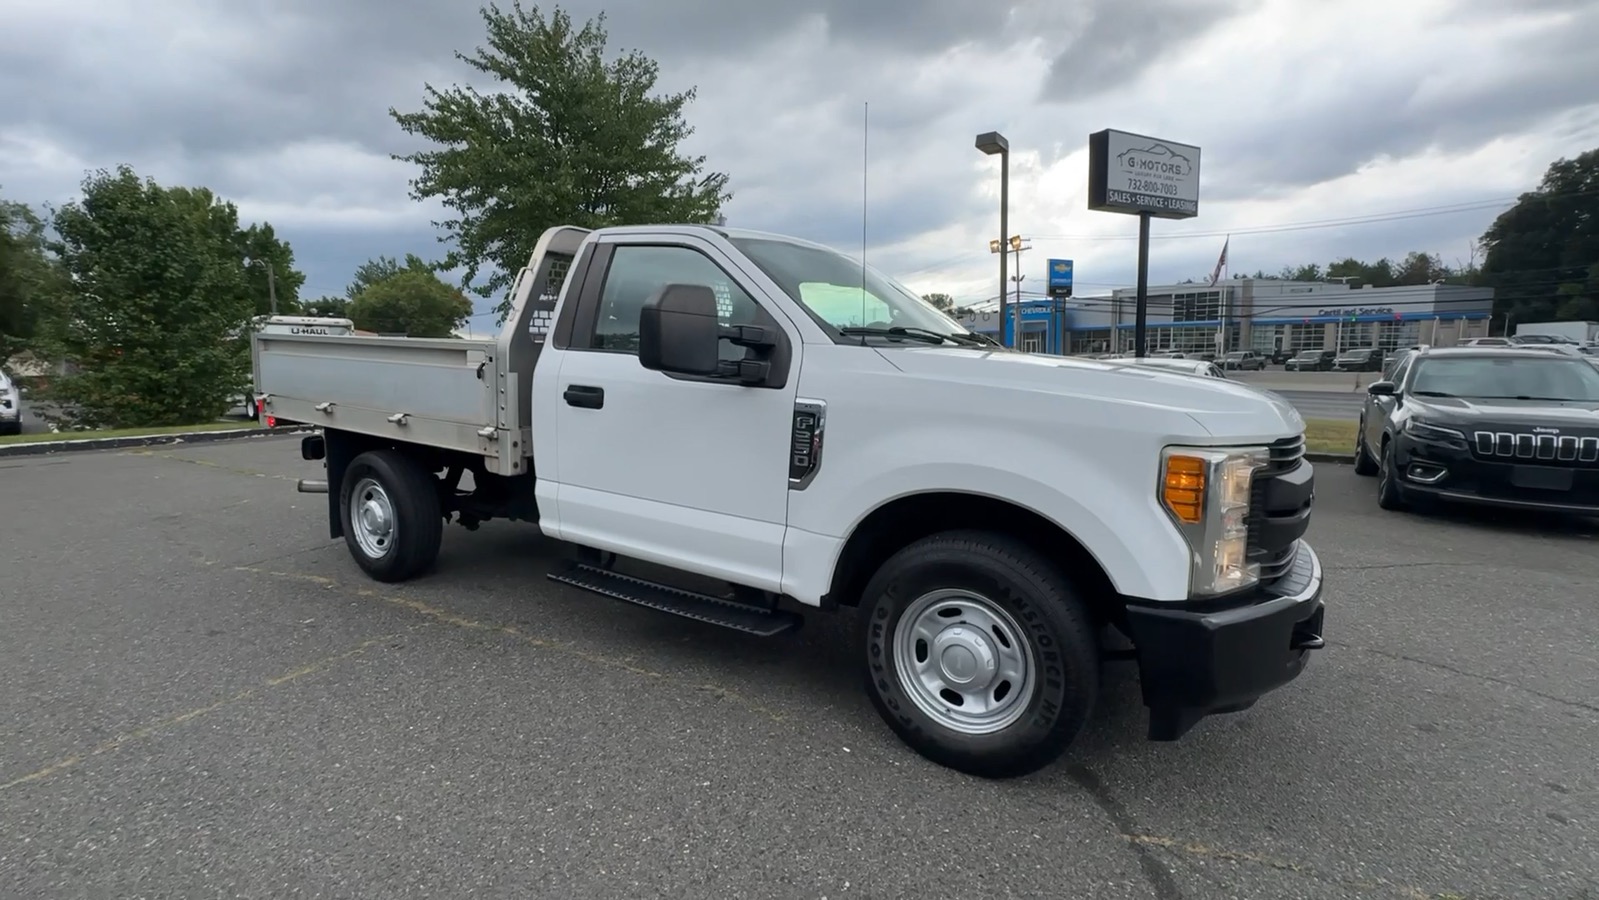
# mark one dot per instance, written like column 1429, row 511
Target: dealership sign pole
column 1147, row 177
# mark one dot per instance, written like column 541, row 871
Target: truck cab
column 772, row 414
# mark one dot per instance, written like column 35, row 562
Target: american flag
column 1221, row 262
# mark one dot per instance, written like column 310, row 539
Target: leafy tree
column 413, row 302
column 565, row 138
column 375, row 270
column 1543, row 253
column 28, row 276
column 942, row 302
column 156, row 288
column 260, row 245
column 332, row 307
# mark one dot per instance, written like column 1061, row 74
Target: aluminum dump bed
column 461, row 394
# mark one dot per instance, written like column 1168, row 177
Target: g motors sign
column 1136, row 174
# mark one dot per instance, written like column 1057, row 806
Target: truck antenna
column 866, row 119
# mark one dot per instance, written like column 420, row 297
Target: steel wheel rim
column 372, row 518
column 964, row 661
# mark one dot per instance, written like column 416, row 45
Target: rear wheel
column 979, row 654
column 393, row 523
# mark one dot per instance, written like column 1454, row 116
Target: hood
column 1513, row 413
column 1225, row 409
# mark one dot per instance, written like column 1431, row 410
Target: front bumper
column 1450, row 472
column 1198, row 661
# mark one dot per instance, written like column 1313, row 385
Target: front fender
column 1107, row 502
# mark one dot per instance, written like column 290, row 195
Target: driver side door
column 673, row 469
column 1379, row 409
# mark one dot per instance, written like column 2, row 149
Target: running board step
column 688, row 604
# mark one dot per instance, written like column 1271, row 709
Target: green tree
column 566, row 137
column 1542, row 255
column 411, row 302
column 941, row 302
column 332, row 307
column 157, row 287
column 260, row 245
column 375, row 270
column 29, row 277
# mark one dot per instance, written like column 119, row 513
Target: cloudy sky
column 1329, row 127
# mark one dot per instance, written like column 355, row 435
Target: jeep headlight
column 1206, row 492
column 1427, row 431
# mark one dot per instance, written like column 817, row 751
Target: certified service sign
column 1136, row 174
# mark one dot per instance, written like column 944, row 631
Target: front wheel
column 979, row 654
column 1389, row 494
column 1364, row 464
column 393, row 522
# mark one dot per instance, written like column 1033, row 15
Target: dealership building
column 1267, row 315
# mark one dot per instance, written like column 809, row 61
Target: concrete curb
column 41, row 448
column 1333, row 458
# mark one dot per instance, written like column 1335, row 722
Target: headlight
column 1424, row 431
column 1206, row 491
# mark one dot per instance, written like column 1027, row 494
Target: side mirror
column 1382, row 389
column 678, row 331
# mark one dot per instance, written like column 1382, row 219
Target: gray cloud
column 1117, row 42
column 213, row 94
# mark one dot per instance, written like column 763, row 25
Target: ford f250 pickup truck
column 767, row 414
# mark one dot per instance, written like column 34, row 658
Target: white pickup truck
column 769, row 415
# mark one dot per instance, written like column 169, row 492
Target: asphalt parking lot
column 206, row 698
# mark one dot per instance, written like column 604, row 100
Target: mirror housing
column 679, row 332
column 1382, row 389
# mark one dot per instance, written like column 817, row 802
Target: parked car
column 1487, row 342
column 1360, row 359
column 1311, row 361
column 1508, row 427
column 10, row 406
column 1243, row 360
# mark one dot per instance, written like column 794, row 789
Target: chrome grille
column 1528, row 446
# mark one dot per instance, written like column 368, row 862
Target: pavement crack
column 1401, row 565
column 1157, row 874
column 1456, row 670
column 150, row 729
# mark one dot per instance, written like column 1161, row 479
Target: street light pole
column 993, row 143
column 272, row 281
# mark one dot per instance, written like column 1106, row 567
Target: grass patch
column 1330, row 436
column 122, row 432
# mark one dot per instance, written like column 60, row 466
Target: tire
column 251, row 411
column 1029, row 620
column 1389, row 494
column 391, row 488
column 1364, row 464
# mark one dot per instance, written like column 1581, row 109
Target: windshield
column 1535, row 378
column 829, row 284
column 1235, row 355
column 1309, row 354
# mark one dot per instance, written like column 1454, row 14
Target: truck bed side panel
column 443, row 387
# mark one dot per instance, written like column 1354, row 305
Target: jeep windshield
column 852, row 302
column 1550, row 378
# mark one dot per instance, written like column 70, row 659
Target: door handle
column 585, row 396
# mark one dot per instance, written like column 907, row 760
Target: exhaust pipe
column 311, row 486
